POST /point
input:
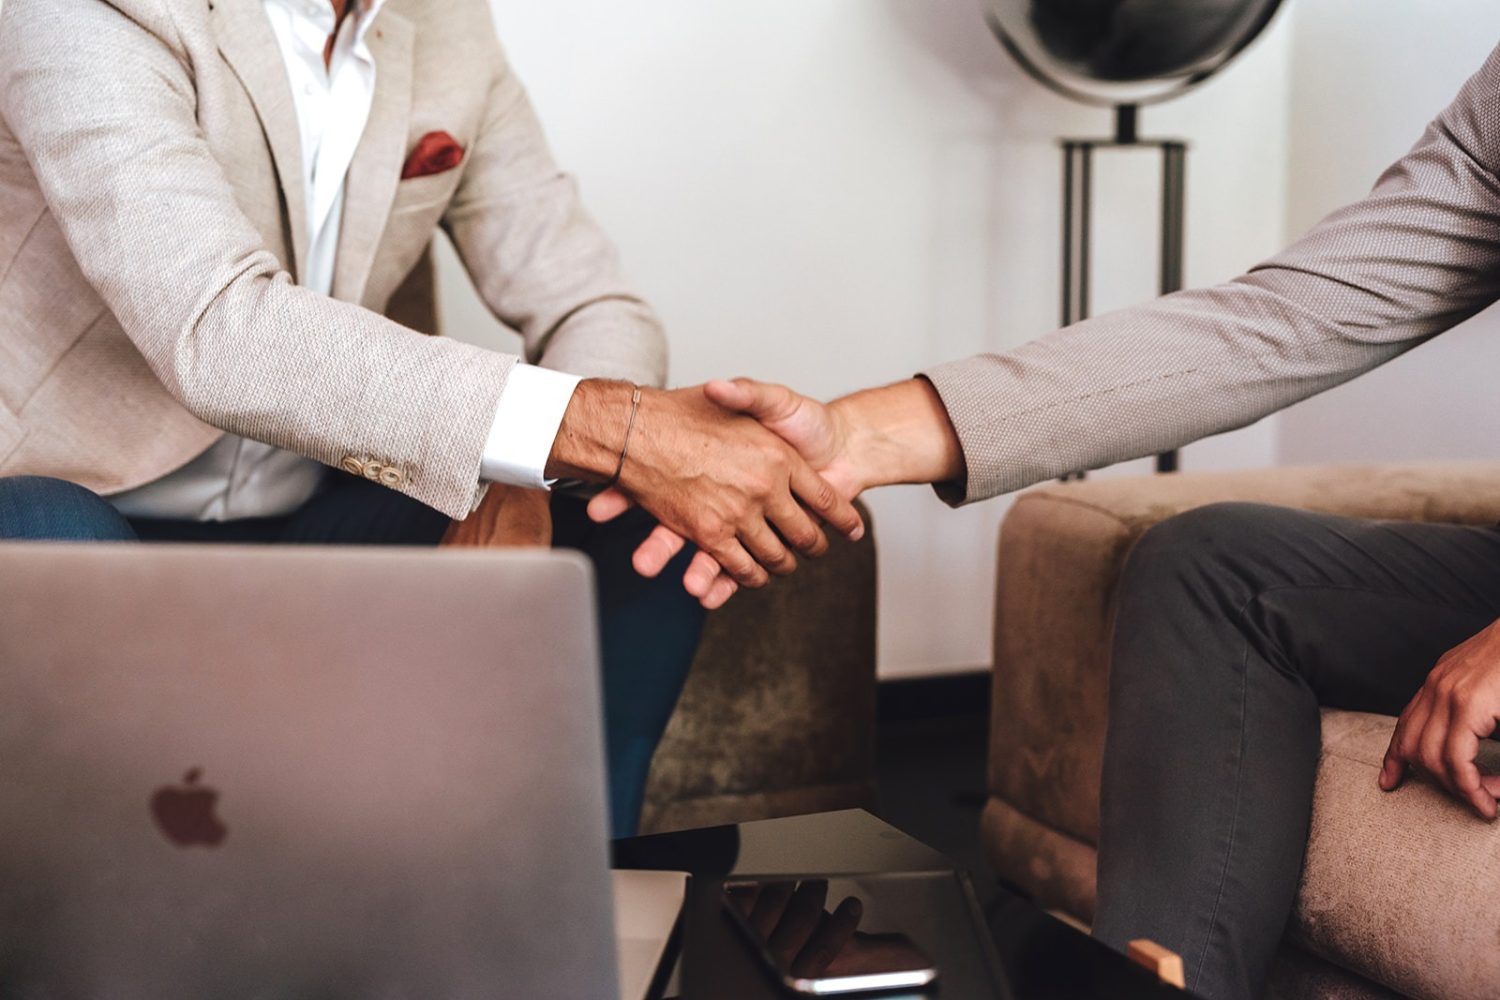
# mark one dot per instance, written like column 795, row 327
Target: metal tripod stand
column 1078, row 172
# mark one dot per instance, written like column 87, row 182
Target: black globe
column 1126, row 51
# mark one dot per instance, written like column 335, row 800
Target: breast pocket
column 426, row 194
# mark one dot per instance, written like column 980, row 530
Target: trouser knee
column 1209, row 544
column 1184, row 596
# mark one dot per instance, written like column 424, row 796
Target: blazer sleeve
column 1415, row 257
column 540, row 262
column 103, row 105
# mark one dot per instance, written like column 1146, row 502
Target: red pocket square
column 434, row 153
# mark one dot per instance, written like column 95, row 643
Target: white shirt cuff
column 526, row 421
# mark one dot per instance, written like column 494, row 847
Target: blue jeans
column 648, row 629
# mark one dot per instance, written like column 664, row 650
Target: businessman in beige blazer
column 1234, row 619
column 206, row 207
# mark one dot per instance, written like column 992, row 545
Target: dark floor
column 930, row 773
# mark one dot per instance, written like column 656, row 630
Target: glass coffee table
column 1011, row 951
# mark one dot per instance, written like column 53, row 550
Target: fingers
column 1393, row 768
column 1431, row 742
column 825, row 501
column 659, row 548
column 768, row 549
column 701, row 574
column 1459, row 754
column 707, row 582
column 1406, row 741
column 739, row 564
column 608, row 505
column 703, row 579
column 799, row 920
column 769, row 906
column 832, row 935
column 796, row 526
column 1435, row 737
column 719, row 593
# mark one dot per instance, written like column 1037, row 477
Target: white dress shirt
column 240, row 478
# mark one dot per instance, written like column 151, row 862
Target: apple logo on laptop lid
column 185, row 813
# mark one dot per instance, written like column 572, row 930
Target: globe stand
column 1078, row 176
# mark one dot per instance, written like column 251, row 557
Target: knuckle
column 772, row 453
column 812, row 542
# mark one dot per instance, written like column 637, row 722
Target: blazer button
column 390, row 476
column 353, row 466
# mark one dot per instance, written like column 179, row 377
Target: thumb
column 761, row 400
column 1392, row 771
column 608, row 505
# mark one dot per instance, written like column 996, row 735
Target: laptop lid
column 296, row 772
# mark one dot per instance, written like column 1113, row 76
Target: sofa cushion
column 1397, row 886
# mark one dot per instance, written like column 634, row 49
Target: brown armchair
column 1398, row 891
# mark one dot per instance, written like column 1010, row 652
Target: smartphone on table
column 827, row 936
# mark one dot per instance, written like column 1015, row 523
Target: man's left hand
column 508, row 517
column 1440, row 730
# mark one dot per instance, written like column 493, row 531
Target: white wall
column 836, row 193
column 1367, row 77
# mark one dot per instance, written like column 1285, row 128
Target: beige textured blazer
column 1417, row 256
column 149, row 176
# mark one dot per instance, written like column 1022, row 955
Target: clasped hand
column 745, row 496
column 895, row 434
column 730, row 505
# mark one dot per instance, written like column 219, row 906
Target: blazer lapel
column 249, row 45
column 375, row 171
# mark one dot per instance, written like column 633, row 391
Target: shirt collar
column 320, row 14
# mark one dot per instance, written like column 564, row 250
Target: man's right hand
column 716, row 478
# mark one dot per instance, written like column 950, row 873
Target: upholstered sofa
column 778, row 715
column 1400, row 893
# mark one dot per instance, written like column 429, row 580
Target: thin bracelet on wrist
column 635, row 405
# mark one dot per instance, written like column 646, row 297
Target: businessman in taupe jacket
column 206, row 208
column 1235, row 620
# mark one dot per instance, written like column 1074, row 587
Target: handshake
column 748, row 472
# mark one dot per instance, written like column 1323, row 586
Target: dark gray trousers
column 1236, row 622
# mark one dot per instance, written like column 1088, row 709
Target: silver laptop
column 289, row 772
